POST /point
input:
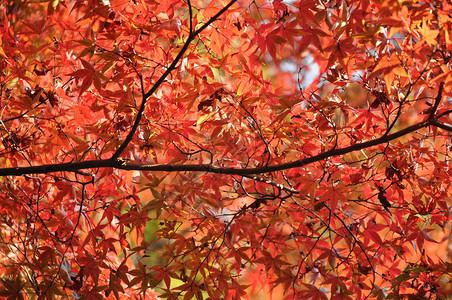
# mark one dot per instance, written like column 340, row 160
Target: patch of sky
column 309, row 73
column 306, row 74
column 357, row 76
column 287, row 2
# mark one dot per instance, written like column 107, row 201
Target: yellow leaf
column 429, row 36
column 204, row 118
column 2, row 53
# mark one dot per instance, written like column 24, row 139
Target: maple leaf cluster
column 225, row 150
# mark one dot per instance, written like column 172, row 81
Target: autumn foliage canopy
column 191, row 149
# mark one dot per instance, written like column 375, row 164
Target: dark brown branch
column 280, row 167
column 126, row 165
column 437, row 100
column 162, row 78
column 442, row 114
column 442, row 125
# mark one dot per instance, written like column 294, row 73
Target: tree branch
column 441, row 125
column 438, row 98
column 127, row 165
column 162, row 78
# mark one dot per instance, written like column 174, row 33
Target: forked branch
column 162, row 78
